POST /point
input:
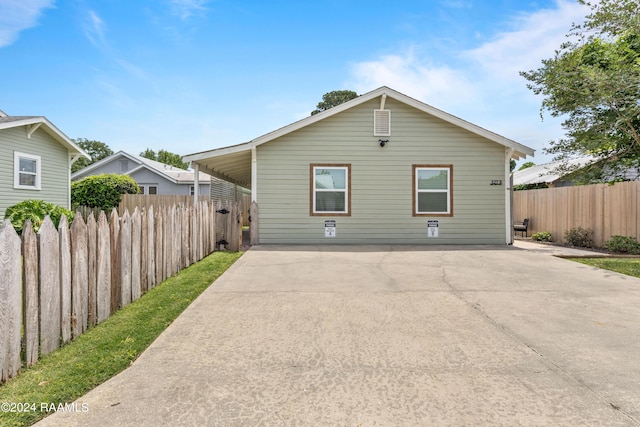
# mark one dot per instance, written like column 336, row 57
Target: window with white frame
column 26, row 171
column 432, row 192
column 330, row 190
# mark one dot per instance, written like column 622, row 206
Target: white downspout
column 196, row 183
column 507, row 196
column 254, row 175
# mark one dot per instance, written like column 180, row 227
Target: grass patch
column 110, row 347
column 628, row 266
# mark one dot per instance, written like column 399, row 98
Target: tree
column 165, row 157
column 526, row 165
column 95, row 149
column 334, row 98
column 594, row 81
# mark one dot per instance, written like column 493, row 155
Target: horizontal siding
column 381, row 180
column 54, row 168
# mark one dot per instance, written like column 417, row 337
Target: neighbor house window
column 330, row 190
column 153, row 189
column 432, row 193
column 26, row 171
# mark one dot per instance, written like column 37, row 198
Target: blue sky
column 192, row 75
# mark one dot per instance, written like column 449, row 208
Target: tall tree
column 96, row 149
column 594, row 81
column 166, row 157
column 334, row 98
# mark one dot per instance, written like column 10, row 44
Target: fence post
column 92, row 246
column 49, row 248
column 79, row 276
column 254, row 224
column 30, row 293
column 65, row 279
column 10, row 322
column 125, row 259
column 136, row 264
column 103, row 270
column 114, row 225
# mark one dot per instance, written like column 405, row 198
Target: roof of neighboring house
column 35, row 122
column 233, row 163
column 548, row 172
column 171, row 173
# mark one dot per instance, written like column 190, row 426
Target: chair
column 522, row 227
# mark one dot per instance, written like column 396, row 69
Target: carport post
column 507, row 196
column 196, row 183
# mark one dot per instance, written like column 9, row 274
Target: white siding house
column 382, row 168
column 35, row 161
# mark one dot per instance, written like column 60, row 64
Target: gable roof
column 547, row 173
column 168, row 172
column 35, row 122
column 233, row 163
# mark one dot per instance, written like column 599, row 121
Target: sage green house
column 383, row 168
column 35, row 161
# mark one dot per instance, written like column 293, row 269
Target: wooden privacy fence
column 606, row 209
column 57, row 283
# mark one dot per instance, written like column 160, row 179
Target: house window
column 153, row 189
column 331, row 190
column 192, row 190
column 26, row 171
column 432, row 190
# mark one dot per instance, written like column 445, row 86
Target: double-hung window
column 26, row 171
column 432, row 192
column 331, row 190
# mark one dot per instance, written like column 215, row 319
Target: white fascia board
column 217, row 152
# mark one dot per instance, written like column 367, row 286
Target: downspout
column 196, row 183
column 507, row 196
column 254, row 175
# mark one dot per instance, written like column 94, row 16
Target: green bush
column 102, row 191
column 36, row 211
column 541, row 236
column 623, row 245
column 582, row 237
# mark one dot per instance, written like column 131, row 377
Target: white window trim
column 346, row 190
column 16, row 170
column 448, row 191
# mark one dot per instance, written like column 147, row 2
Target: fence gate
column 228, row 225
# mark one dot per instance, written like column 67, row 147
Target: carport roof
column 233, row 163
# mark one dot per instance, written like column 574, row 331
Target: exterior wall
column 145, row 177
column 54, row 168
column 381, row 180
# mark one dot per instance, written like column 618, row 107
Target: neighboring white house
column 152, row 177
column 558, row 173
column 35, row 161
column 382, row 168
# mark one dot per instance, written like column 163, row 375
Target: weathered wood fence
column 606, row 209
column 57, row 283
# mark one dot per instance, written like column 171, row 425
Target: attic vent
column 382, row 122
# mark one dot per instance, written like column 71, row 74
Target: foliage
column 541, row 236
column 520, row 187
column 581, row 237
column 36, row 211
column 626, row 266
column 623, row 245
column 594, row 81
column 512, row 165
column 334, row 98
column 526, row 165
column 166, row 157
column 96, row 149
column 110, row 347
column 102, row 191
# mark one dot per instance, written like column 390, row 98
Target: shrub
column 36, row 211
column 582, row 237
column 102, row 191
column 623, row 245
column 541, row 236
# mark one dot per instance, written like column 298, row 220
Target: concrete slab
column 389, row 335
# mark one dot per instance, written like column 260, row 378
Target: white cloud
column 483, row 84
column 19, row 15
column 185, row 9
column 94, row 29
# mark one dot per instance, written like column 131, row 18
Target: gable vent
column 382, row 122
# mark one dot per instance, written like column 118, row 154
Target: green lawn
column 629, row 266
column 107, row 349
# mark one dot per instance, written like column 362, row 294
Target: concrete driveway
column 390, row 336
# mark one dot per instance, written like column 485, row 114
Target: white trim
column 507, row 196
column 16, row 171
column 447, row 191
column 344, row 190
column 254, row 175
